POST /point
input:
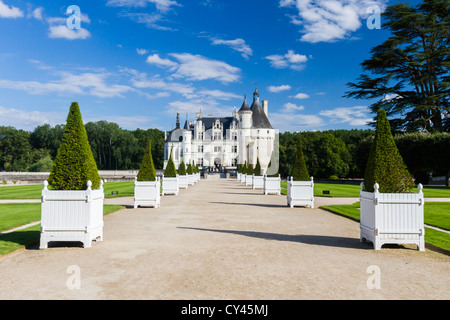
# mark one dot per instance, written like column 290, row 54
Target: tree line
column 328, row 154
column 113, row 148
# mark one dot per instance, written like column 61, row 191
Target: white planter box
column 248, row 179
column 147, row 193
column 300, row 193
column 190, row 179
column 243, row 176
column 392, row 217
column 170, row 185
column 258, row 182
column 238, row 176
column 272, row 185
column 183, row 181
column 73, row 215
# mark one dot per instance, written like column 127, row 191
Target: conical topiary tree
column 170, row 171
column 182, row 168
column 147, row 170
column 250, row 169
column 189, row 169
column 257, row 170
column 74, row 164
column 385, row 165
column 299, row 171
column 244, row 168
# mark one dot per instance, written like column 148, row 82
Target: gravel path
column 222, row 240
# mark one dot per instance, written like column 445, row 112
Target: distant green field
column 13, row 215
column 436, row 214
column 125, row 189
column 352, row 190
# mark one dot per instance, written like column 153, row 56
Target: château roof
column 244, row 106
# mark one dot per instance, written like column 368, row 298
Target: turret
column 245, row 116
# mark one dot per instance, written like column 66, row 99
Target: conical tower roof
column 244, row 106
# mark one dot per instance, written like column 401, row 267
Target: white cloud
column 28, row 120
column 36, row 14
column 218, row 94
column 162, row 5
column 141, row 51
column 355, row 116
column 151, row 20
column 291, row 60
column 62, row 32
column 69, row 83
column 140, row 80
column 287, row 121
column 329, row 20
column 197, row 67
column 301, row 96
column 9, row 11
column 280, row 88
column 58, row 28
column 238, row 45
column 292, row 107
column 155, row 59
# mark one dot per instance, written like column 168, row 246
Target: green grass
column 18, row 214
column 436, row 214
column 352, row 190
column 125, row 189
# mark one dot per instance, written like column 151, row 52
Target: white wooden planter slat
column 300, row 193
column 170, row 185
column 396, row 218
column 71, row 215
column 272, row 185
column 238, row 176
column 248, row 179
column 147, row 193
column 190, row 179
column 243, row 176
column 183, row 181
column 257, row 182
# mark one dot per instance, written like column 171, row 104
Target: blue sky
column 139, row 62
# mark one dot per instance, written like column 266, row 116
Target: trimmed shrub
column 189, row 169
column 170, row 171
column 257, row 170
column 147, row 170
column 74, row 164
column 244, row 168
column 250, row 169
column 299, row 171
column 385, row 165
column 182, row 168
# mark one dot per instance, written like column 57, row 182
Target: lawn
column 352, row 190
column 126, row 189
column 14, row 215
column 436, row 214
column 33, row 191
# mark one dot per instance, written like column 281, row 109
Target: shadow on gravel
column 267, row 205
column 329, row 241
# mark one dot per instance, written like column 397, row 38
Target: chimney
column 265, row 105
